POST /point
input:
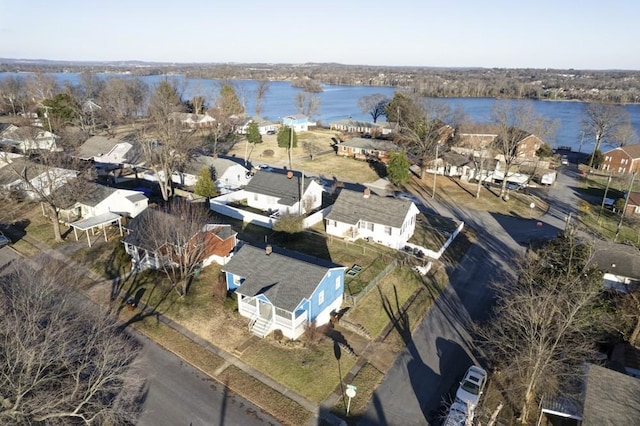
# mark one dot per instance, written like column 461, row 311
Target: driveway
column 422, row 381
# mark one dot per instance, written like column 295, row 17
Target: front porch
column 265, row 318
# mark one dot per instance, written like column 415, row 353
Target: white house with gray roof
column 100, row 199
column 286, row 193
column 228, row 174
column 111, row 151
column 384, row 220
column 283, row 290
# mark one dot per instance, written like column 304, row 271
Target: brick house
column 633, row 205
column 623, row 160
column 364, row 149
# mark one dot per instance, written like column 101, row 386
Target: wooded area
column 617, row 86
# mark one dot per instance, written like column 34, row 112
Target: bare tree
column 422, row 128
column 602, row 122
column 55, row 181
column 545, row 324
column 64, row 361
column 261, row 90
column 13, row 95
column 167, row 144
column 311, row 148
column 41, row 86
column 307, row 103
column 222, row 129
column 179, row 235
column 375, row 105
column 121, row 101
column 513, row 122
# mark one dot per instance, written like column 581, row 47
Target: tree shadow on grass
column 129, row 292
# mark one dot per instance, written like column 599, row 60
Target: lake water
column 341, row 102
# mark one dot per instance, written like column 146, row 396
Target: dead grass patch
column 367, row 379
column 396, row 288
column 297, row 367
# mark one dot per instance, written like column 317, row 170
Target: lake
column 341, row 102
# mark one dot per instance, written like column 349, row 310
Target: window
column 387, row 230
column 338, row 282
column 370, row 226
column 621, row 169
column 321, row 297
column 255, row 197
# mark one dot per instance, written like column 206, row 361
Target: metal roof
column 92, row 222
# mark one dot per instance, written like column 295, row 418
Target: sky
column 579, row 34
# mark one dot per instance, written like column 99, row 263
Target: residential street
column 419, row 385
column 179, row 395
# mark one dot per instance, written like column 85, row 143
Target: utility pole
column 624, row 209
column 435, row 172
column 604, row 198
column 290, row 145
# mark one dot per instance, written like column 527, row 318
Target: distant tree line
column 615, row 86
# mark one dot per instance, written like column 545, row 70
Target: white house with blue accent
column 299, row 122
column 283, row 290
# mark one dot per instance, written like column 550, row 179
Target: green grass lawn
column 367, row 379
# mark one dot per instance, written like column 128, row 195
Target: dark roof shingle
column 278, row 185
column 284, row 277
column 351, row 207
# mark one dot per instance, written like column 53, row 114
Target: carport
column 100, row 221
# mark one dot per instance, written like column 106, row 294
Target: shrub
column 231, row 303
column 277, row 335
column 268, row 153
column 312, row 334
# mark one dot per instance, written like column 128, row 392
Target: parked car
column 514, row 186
column 471, row 387
column 4, row 241
column 271, row 132
column 457, row 415
column 565, row 160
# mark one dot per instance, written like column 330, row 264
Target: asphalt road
column 423, row 379
column 179, row 395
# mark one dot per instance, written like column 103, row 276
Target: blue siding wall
column 328, row 286
column 230, row 283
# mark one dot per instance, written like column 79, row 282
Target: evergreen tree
column 205, row 186
column 228, row 101
column 398, row 168
column 253, row 133
column 287, row 138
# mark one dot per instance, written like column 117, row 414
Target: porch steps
column 261, row 327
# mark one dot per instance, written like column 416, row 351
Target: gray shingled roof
column 611, row 398
column 136, row 227
column 625, row 257
column 200, row 162
column 95, row 194
column 351, row 207
column 278, row 185
column 284, row 277
column 8, row 171
column 96, row 146
column 371, row 144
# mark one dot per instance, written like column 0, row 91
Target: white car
column 471, row 387
column 564, row 160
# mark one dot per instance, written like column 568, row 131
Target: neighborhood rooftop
column 285, row 277
column 352, row 206
column 275, row 184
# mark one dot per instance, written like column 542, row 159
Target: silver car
column 471, row 387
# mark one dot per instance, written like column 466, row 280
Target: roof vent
column 289, row 174
column 367, row 192
column 268, row 249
